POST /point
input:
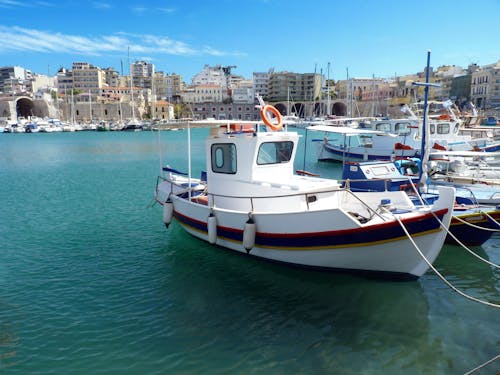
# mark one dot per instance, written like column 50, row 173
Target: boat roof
column 212, row 123
column 345, row 130
column 465, row 153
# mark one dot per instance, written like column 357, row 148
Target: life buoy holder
column 277, row 115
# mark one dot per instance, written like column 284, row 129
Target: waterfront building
column 87, row 78
column 296, row 86
column 243, row 95
column 111, row 77
column 64, row 81
column 142, row 74
column 485, row 86
column 175, row 86
column 460, row 90
column 14, row 80
column 163, row 110
column 224, row 111
column 210, row 75
column 444, row 76
column 41, row 82
column 260, row 83
column 160, row 85
column 203, row 94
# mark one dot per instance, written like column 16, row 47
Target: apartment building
column 485, row 86
column 88, row 78
column 283, row 86
column 142, row 74
column 260, row 83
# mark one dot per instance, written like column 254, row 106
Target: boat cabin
column 258, row 163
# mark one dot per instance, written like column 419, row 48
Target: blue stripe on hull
column 364, row 236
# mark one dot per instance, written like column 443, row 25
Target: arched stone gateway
column 25, row 107
column 339, row 109
column 280, row 107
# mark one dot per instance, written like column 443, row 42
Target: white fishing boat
column 251, row 202
column 344, row 143
column 444, row 133
column 477, row 172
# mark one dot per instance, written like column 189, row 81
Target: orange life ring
column 263, row 115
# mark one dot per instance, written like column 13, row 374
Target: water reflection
column 296, row 318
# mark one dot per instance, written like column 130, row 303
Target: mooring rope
column 477, row 226
column 463, row 294
column 462, row 244
column 483, row 365
column 491, row 218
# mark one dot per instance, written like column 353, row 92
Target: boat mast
column 131, row 89
column 90, row 106
column 328, row 90
column 288, row 102
column 424, row 151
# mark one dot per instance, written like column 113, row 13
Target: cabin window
column 224, row 158
column 383, row 127
column 402, row 128
column 443, row 128
column 275, row 152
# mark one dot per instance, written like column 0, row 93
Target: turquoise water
column 92, row 283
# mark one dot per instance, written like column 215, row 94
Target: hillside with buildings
column 86, row 93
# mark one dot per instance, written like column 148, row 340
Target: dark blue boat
column 404, row 175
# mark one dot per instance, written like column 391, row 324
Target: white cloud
column 11, row 4
column 166, row 10
column 138, row 9
column 22, row 39
column 24, row 4
column 101, row 5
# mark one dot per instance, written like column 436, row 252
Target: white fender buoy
column 249, row 235
column 168, row 212
column 212, row 228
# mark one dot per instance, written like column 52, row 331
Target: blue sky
column 380, row 37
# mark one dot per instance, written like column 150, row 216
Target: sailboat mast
column 328, row 90
column 131, row 89
column 90, row 105
column 424, row 152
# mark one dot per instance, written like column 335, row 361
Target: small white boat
column 251, row 202
column 477, row 172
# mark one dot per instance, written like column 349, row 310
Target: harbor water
column 91, row 282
